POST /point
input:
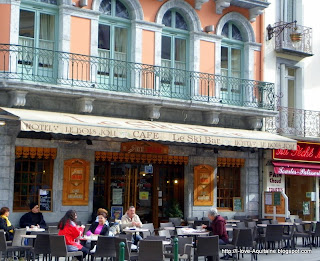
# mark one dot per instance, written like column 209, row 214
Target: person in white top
column 131, row 219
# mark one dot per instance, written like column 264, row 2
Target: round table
column 33, row 229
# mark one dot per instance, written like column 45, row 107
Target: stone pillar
column 8, row 135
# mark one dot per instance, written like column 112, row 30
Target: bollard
column 175, row 249
column 121, row 251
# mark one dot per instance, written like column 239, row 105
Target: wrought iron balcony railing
column 29, row 64
column 295, row 122
column 296, row 40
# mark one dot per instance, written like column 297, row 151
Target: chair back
column 167, row 224
column 183, row 241
column 200, row 223
column 150, row 228
column 317, row 230
column 176, row 221
column 105, row 247
column 251, row 224
column 274, row 233
column 274, row 222
column 3, row 243
column 17, row 238
column 244, row 238
column 150, row 250
column 42, row 244
column 241, row 225
column 208, row 246
column 299, row 228
column 298, row 220
column 126, row 236
column 58, row 245
column 156, row 238
column 53, row 230
column 86, row 228
column 238, row 217
column 117, row 241
column 165, row 233
column 192, row 218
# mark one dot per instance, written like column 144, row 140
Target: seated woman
column 101, row 227
column 5, row 224
column 68, row 228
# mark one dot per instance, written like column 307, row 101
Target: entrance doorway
column 150, row 188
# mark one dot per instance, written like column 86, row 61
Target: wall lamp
column 278, row 28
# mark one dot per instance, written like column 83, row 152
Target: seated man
column 131, row 219
column 34, row 218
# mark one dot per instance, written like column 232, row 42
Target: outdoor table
column 169, row 228
column 89, row 238
column 286, row 223
column 32, row 237
column 195, row 233
column 35, row 229
column 133, row 231
column 262, row 225
column 232, row 220
column 309, row 222
column 229, row 229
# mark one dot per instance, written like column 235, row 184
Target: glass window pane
column 26, row 25
column 121, row 10
column 236, row 60
column 236, row 34
column 166, row 48
column 224, row 57
column 167, row 18
column 105, row 7
column 180, row 50
column 291, row 72
column 120, row 43
column 225, row 30
column 180, row 22
column 46, row 27
column 104, row 37
column 291, row 96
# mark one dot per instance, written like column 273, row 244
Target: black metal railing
column 295, row 38
column 295, row 122
column 46, row 66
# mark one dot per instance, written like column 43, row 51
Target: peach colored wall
column 5, row 11
column 207, row 57
column 148, row 47
column 80, row 32
column 80, row 35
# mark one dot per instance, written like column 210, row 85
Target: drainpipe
column 260, row 170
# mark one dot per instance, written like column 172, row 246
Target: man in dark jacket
column 218, row 228
column 33, row 218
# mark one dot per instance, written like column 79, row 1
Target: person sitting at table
column 34, row 218
column 68, row 228
column 218, row 228
column 131, row 219
column 5, row 223
column 99, row 227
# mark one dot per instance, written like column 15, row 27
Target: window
column 228, row 186
column 291, row 85
column 113, row 43
column 231, row 64
column 37, row 30
column 174, row 45
column 288, row 10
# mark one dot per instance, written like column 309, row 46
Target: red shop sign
column 306, row 152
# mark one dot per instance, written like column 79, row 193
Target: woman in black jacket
column 100, row 227
column 5, row 224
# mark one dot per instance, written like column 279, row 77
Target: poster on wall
column 306, row 207
column 116, row 212
column 268, row 198
column 203, row 185
column 144, row 195
column 117, row 196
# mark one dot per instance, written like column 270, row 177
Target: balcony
column 295, row 122
column 69, row 71
column 286, row 42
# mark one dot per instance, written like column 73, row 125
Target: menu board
column 45, row 200
column 237, row 204
column 276, row 198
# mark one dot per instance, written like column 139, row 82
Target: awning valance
column 298, row 169
column 88, row 125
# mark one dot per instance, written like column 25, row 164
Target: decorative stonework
column 255, row 123
column 36, row 152
column 211, row 117
column 153, row 112
column 85, row 105
column 17, row 98
column 222, row 4
column 254, row 12
column 199, row 3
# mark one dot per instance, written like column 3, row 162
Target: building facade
column 118, row 102
column 290, row 61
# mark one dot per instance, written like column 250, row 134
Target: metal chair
column 207, row 246
column 184, row 249
column 86, row 228
column 245, row 241
column 241, row 225
column 150, row 231
column 305, row 235
column 176, row 221
column 128, row 255
column 53, row 230
column 59, row 249
column 105, row 248
column 316, row 235
column 167, row 224
column 150, row 250
column 274, row 233
column 41, row 246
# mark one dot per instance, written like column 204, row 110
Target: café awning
column 298, row 169
column 88, row 125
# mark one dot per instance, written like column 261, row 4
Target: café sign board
column 305, row 152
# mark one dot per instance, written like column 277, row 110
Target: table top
column 34, row 229
column 286, row 223
column 133, row 230
column 232, row 220
column 194, row 232
column 169, row 228
column 29, row 236
column 91, row 238
column 229, row 229
column 309, row 221
column 262, row 225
